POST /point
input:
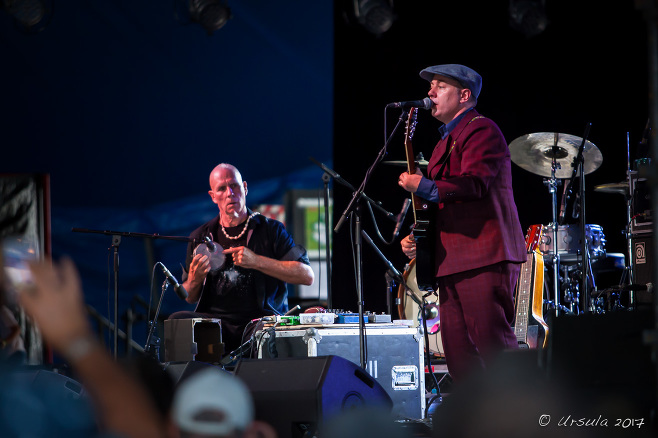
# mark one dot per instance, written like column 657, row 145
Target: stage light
column 375, row 15
column 528, row 16
column 212, row 15
column 29, row 15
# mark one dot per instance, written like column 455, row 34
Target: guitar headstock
column 410, row 129
column 411, row 123
column 533, row 238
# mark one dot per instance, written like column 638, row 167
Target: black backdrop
column 128, row 109
column 588, row 66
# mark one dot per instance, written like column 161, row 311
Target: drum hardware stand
column 116, row 241
column 629, row 268
column 578, row 166
column 552, row 184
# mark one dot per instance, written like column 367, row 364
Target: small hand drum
column 214, row 251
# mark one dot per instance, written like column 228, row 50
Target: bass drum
column 409, row 309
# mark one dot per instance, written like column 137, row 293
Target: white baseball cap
column 212, row 402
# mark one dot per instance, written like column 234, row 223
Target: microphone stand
column 395, row 275
column 579, row 165
column 555, row 259
column 353, row 209
column 152, row 346
column 390, row 286
column 326, row 177
column 116, row 241
column 392, row 273
column 341, row 180
column 330, row 173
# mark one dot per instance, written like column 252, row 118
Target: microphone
column 291, row 311
column 575, row 210
column 563, row 204
column 209, row 243
column 178, row 288
column 422, row 104
column 401, row 216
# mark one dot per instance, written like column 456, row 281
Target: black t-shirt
column 234, row 298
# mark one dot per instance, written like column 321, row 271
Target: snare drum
column 409, row 309
column 569, row 241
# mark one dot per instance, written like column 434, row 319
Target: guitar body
column 423, row 230
column 530, row 328
column 424, row 236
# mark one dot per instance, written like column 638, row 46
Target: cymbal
column 620, row 187
column 421, row 163
column 535, row 152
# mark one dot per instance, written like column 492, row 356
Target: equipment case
column 394, row 356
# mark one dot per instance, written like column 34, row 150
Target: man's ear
column 466, row 94
column 245, row 187
column 212, row 195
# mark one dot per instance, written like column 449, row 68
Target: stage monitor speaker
column 179, row 371
column 295, row 395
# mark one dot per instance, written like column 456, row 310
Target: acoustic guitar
column 530, row 329
column 423, row 212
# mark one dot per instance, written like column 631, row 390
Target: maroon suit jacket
column 477, row 223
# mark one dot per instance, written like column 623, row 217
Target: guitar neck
column 523, row 291
column 529, row 291
column 419, row 205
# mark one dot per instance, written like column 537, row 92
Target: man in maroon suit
column 479, row 241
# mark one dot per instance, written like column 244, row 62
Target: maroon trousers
column 477, row 310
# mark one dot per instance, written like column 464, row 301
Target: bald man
column 261, row 257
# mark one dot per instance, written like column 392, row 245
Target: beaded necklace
column 246, row 225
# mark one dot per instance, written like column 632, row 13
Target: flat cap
column 468, row 77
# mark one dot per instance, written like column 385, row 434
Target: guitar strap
column 439, row 174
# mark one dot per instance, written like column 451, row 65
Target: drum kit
column 563, row 159
column 560, row 159
column 555, row 157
